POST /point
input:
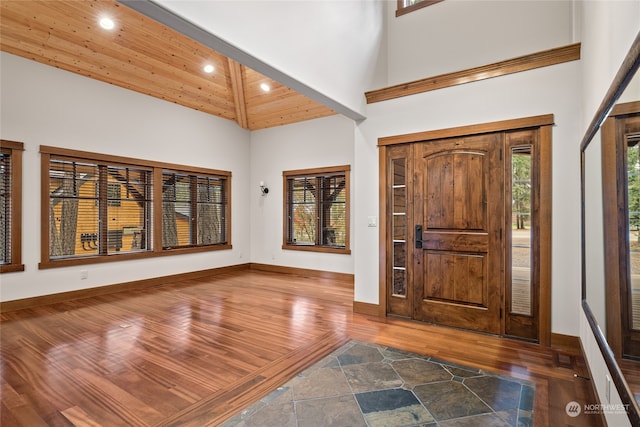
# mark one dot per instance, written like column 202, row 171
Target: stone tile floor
column 363, row 384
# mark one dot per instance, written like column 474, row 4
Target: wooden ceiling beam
column 237, row 89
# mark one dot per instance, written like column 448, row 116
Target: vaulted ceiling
column 145, row 56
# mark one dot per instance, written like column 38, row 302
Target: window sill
column 11, row 268
column 130, row 256
column 314, row 248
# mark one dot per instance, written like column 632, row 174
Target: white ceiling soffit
column 183, row 26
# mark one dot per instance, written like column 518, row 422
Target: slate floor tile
column 449, row 399
column 361, row 385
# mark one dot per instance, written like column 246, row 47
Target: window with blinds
column 103, row 208
column 98, row 208
column 317, row 209
column 193, row 209
column 10, row 206
column 5, row 206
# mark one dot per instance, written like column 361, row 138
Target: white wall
column 332, row 46
column 609, row 28
column 42, row 105
column 456, row 35
column 311, row 144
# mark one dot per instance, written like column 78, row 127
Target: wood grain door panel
column 458, row 201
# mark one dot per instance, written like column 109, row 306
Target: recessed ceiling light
column 209, row 68
column 107, row 23
column 265, row 87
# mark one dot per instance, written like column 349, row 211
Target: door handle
column 418, row 237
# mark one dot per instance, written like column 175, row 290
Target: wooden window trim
column 16, row 149
column 502, row 125
column 156, row 232
column 193, row 182
column 403, row 10
column 345, row 169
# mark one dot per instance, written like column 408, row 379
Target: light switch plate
column 373, row 221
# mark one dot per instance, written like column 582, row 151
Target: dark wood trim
column 316, row 248
column 624, row 108
column 566, row 343
column 98, row 259
column 383, row 224
column 614, row 217
column 403, row 10
column 303, row 272
column 19, row 304
column 16, row 149
column 545, row 220
column 368, row 309
column 45, row 206
column 12, row 145
column 317, row 171
column 532, row 61
column 622, row 78
column 498, row 126
column 108, row 158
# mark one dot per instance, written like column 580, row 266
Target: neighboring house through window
column 104, row 208
column 317, row 209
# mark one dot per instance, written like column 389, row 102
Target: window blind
column 5, row 206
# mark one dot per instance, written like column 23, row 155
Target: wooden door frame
column 544, row 123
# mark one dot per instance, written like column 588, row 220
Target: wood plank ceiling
column 145, row 56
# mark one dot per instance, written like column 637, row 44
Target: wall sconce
column 263, row 189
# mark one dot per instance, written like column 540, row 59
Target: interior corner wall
column 549, row 90
column 608, row 29
column 43, row 105
column 457, row 35
column 332, row 46
column 311, row 144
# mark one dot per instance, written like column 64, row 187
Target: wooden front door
column 458, row 204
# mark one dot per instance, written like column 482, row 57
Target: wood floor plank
column 195, row 352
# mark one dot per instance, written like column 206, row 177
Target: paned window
column 317, row 209
column 97, row 208
column 193, row 209
column 10, row 206
column 103, row 208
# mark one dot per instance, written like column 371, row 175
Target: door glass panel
column 633, row 197
column 521, row 231
column 399, row 227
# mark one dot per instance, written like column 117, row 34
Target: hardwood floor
column 196, row 352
